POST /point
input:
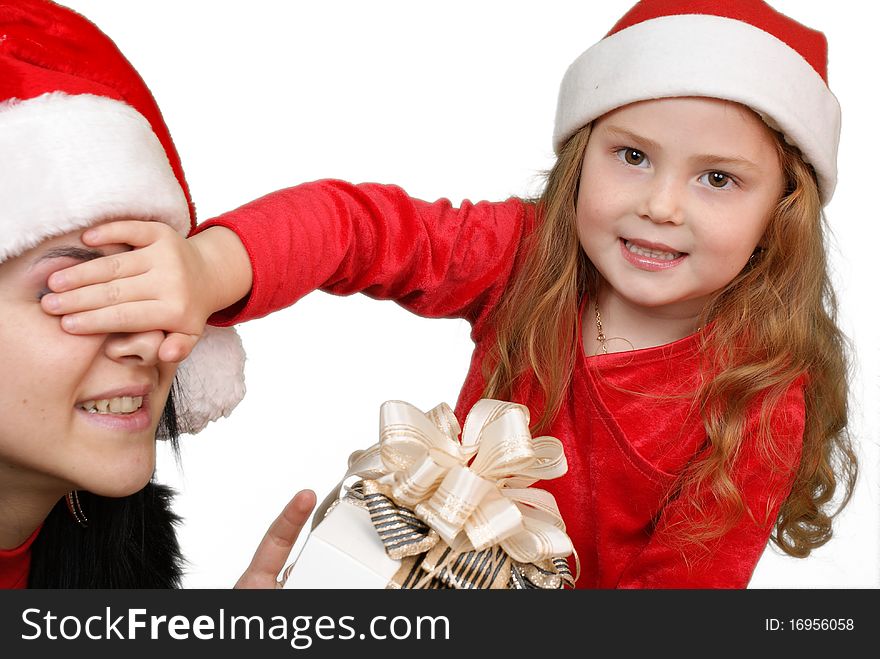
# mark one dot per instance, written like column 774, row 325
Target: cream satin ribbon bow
column 474, row 494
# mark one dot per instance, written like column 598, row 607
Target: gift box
column 423, row 508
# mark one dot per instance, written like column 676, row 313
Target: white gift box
column 343, row 551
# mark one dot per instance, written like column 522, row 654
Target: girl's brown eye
column 718, row 180
column 633, row 156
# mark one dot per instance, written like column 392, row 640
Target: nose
column 140, row 348
column 662, row 201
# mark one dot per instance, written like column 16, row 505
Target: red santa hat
column 83, row 142
column 737, row 50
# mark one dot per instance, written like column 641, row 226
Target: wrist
column 227, row 271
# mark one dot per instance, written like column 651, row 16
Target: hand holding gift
column 428, row 511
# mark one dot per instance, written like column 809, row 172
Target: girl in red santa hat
column 646, row 307
column 85, row 144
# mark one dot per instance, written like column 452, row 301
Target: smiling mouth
column 657, row 254
column 119, row 405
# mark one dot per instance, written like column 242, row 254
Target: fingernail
column 57, row 280
column 68, row 323
column 90, row 234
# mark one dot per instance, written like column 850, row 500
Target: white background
column 452, row 99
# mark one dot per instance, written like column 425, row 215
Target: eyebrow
column 78, row 253
column 703, row 160
column 632, row 137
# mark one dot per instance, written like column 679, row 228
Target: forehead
column 67, row 246
column 693, row 120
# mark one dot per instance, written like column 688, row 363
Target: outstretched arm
column 434, row 259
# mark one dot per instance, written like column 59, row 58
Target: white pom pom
column 210, row 380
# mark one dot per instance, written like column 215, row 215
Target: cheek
column 596, row 214
column 47, row 362
column 602, row 197
column 735, row 235
column 35, row 404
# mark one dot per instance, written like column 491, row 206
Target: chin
column 122, row 480
column 119, row 490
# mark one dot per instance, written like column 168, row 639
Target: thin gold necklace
column 601, row 333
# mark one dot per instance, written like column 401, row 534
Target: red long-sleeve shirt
column 623, row 449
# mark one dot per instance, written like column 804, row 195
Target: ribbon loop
column 454, row 501
column 416, row 483
column 493, row 521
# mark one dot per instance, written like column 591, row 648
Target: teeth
column 651, row 253
column 120, row 405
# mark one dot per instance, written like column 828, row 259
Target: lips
column 650, row 256
column 123, row 408
column 132, row 422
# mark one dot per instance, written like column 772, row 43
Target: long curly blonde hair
column 783, row 300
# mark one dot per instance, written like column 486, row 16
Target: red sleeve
column 433, row 259
column 764, row 486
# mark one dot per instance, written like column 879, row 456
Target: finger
column 137, row 233
column 100, row 270
column 95, row 296
column 177, row 346
column 141, row 316
column 273, row 551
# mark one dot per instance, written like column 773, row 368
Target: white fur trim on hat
column 73, row 161
column 711, row 56
column 211, row 379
